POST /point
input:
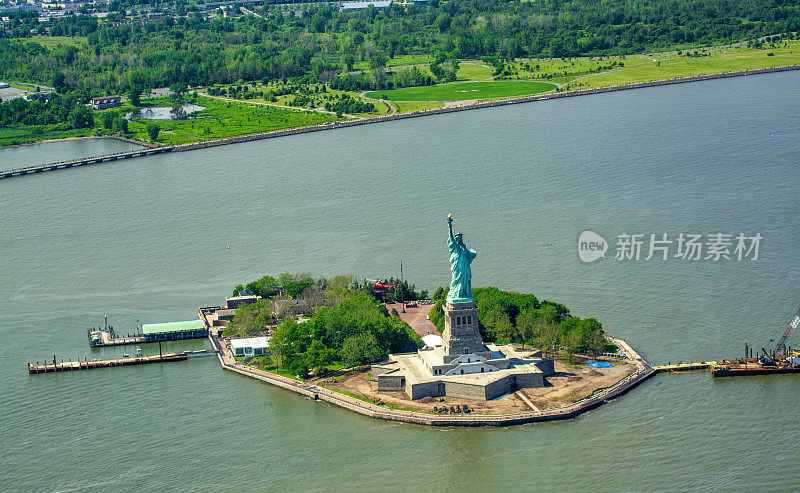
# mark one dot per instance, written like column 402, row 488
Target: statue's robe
column 461, row 281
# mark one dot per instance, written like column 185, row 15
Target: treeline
column 357, row 331
column 349, row 105
column 380, row 79
column 346, row 324
column 63, row 111
column 508, row 316
column 322, row 42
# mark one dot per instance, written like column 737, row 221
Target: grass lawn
column 473, row 71
column 224, row 119
column 22, row 134
column 409, row 60
column 666, row 68
column 465, row 90
column 278, row 371
column 583, row 72
column 409, row 106
column 53, row 41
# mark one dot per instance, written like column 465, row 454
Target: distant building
column 104, row 102
column 236, row 301
column 225, row 314
column 378, row 4
column 253, row 346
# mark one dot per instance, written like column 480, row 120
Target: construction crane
column 781, row 346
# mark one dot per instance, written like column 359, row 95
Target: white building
column 252, row 346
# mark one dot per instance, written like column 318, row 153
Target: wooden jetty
column 85, row 364
column 83, row 162
column 685, row 367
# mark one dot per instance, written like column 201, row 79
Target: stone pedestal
column 461, row 334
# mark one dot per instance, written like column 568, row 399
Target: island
column 381, row 346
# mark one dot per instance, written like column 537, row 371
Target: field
column 595, row 72
column 225, row 119
column 670, row 67
column 473, row 71
column 409, row 106
column 22, row 134
column 464, row 90
column 53, row 41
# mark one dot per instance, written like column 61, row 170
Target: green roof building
column 173, row 331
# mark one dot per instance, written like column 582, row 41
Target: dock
column 103, row 363
column 82, row 162
column 685, row 367
column 171, row 331
column 87, row 364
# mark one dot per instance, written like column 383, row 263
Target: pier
column 170, row 331
column 83, row 162
column 87, row 364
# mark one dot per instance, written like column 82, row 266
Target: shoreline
column 379, row 119
column 313, row 392
column 474, row 106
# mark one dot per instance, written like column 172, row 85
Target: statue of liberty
column 460, row 259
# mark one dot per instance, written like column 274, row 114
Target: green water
column 147, row 240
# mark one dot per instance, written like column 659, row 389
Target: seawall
column 377, row 119
column 643, row 373
column 474, row 106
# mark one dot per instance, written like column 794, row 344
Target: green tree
column 318, row 356
column 107, row 119
column 58, row 81
column 550, row 335
column 360, row 349
column 135, row 95
column 348, row 60
column 152, row 131
column 81, row 117
column 281, row 341
column 572, row 341
column 249, row 320
column 178, row 90
column 120, row 125
column 295, row 288
column 526, row 325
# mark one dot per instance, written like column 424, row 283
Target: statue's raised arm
column 450, row 225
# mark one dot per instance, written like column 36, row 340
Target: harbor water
column 151, row 239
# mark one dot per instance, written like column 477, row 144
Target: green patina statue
column 460, row 259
